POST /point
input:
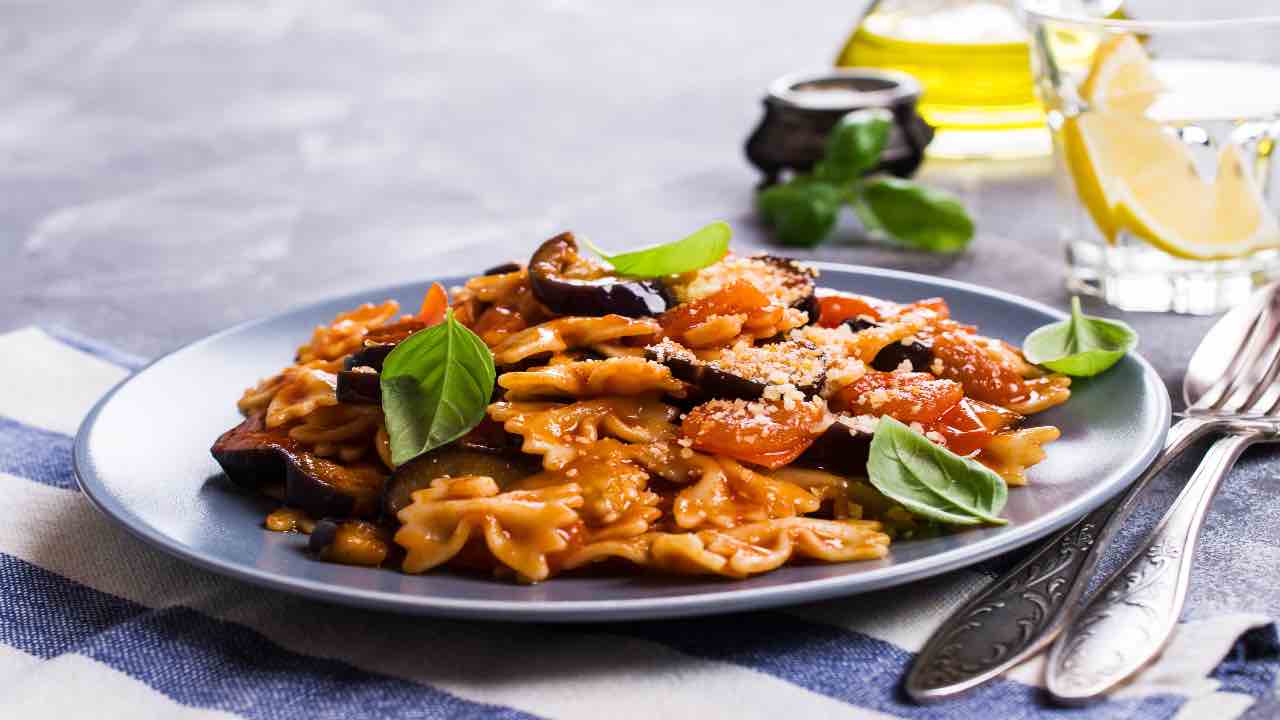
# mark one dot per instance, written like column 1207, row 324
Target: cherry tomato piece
column 762, row 433
column 908, row 397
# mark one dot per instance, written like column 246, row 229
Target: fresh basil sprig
column 915, row 215
column 854, row 146
column 436, row 386
column 930, row 480
column 801, row 211
column 704, row 247
column 1080, row 346
column 804, row 210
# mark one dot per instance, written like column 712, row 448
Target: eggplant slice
column 361, row 386
column 504, row 268
column 569, row 285
column 358, row 381
column 843, row 449
column 490, row 437
column 745, row 371
column 251, row 455
column 797, row 288
column 371, row 356
column 918, row 352
column 254, row 456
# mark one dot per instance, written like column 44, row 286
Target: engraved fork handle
column 1129, row 620
column 1020, row 613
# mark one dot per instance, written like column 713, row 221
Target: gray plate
column 142, row 455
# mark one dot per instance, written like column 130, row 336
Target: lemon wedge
column 1121, row 78
column 1080, row 160
column 1133, row 174
column 1190, row 219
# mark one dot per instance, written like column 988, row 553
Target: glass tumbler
column 1163, row 133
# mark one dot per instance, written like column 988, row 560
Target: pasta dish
column 725, row 420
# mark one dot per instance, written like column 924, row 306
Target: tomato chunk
column 909, row 397
column 970, row 424
column 434, row 305
column 738, row 297
column 762, row 433
column 984, row 377
column 835, row 309
column 936, row 304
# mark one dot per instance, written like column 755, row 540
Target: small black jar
column 801, row 109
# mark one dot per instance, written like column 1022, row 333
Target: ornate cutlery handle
column 1020, row 613
column 1128, row 622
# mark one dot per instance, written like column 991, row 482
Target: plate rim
column 571, row 611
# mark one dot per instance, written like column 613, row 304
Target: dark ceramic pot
column 801, row 109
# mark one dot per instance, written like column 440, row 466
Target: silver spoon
column 1020, row 613
column 1130, row 619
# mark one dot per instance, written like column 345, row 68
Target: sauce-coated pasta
column 707, row 424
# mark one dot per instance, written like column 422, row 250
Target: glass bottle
column 973, row 59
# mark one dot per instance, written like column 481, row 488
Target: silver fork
column 1019, row 614
column 1129, row 621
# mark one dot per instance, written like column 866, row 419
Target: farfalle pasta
column 568, row 333
column 714, row 422
column 591, row 378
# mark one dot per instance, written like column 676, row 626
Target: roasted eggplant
column 323, row 534
column 454, row 461
column 358, row 381
column 503, row 269
column 370, row 356
column 360, row 387
column 490, row 437
column 795, row 284
column 891, row 357
column 323, row 487
column 843, row 449
column 567, row 285
column 746, row 371
column 809, row 306
column 253, row 456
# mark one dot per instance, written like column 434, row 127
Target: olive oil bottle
column 973, row 59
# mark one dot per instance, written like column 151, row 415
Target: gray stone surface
column 168, row 168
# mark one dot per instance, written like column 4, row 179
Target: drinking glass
column 1163, row 134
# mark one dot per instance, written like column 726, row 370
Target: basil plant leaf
column 1080, row 346
column 854, row 145
column 930, row 480
column 802, row 213
column 704, row 247
column 915, row 215
column 436, row 386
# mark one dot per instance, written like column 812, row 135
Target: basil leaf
column 704, row 247
column 930, row 480
column 915, row 215
column 436, row 386
column 1081, row 346
column 854, row 145
column 801, row 212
